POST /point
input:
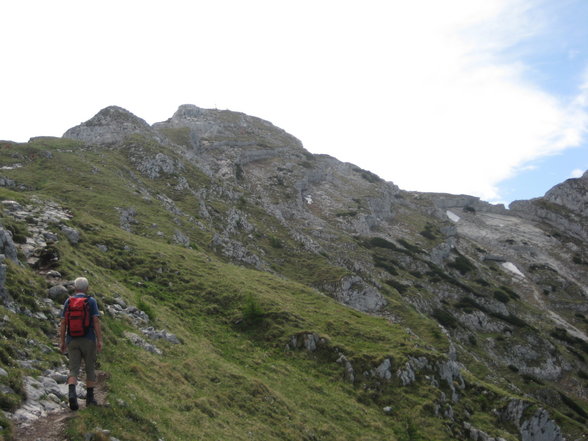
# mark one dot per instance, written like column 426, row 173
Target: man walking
column 81, row 336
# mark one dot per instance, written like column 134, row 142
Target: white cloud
column 418, row 92
column 577, row 173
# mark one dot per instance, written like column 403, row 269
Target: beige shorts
column 82, row 349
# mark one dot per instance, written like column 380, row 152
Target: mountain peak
column 112, row 124
column 187, row 112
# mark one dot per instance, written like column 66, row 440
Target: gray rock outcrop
column 7, row 247
column 540, row 427
column 565, row 206
column 353, row 291
column 109, row 126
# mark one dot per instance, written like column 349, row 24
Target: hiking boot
column 73, row 402
column 90, row 400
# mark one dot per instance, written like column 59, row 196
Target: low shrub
column 462, row 264
column 573, row 405
column 252, row 310
column 501, row 296
column 445, row 318
column 563, row 335
column 378, row 242
column 401, row 288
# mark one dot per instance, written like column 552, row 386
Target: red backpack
column 77, row 316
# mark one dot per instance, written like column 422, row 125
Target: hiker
column 81, row 337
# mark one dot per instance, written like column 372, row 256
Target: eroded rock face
column 565, row 206
column 540, row 427
column 572, row 194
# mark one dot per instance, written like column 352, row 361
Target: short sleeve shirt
column 94, row 312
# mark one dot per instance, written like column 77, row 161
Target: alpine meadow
column 251, row 290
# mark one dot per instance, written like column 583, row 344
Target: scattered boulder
column 127, row 218
column 353, row 291
column 181, row 238
column 72, row 234
column 477, row 434
column 384, row 370
column 102, row 247
column 135, row 315
column 58, row 293
column 140, row 342
column 349, row 373
column 307, row 340
column 7, row 246
column 160, row 335
column 44, row 395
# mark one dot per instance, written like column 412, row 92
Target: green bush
column 252, row 311
column 501, row 296
column 429, row 232
column 573, row 405
column 511, row 319
column 409, row 246
column 386, row 264
column 563, row 335
column 146, row 308
column 445, row 318
column 9, row 402
column 18, row 230
column 513, row 295
column 462, row 264
column 378, row 242
column 468, row 305
column 401, row 288
column 275, row 242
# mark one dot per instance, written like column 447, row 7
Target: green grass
column 228, row 380
column 234, row 376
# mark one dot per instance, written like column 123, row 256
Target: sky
column 481, row 97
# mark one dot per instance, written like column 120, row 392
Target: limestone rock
column 127, row 218
column 349, row 372
column 109, row 126
column 354, row 292
column 160, row 335
column 72, row 234
column 7, row 246
column 540, row 427
column 58, row 293
column 140, row 342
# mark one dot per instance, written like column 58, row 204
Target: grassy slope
column 232, row 378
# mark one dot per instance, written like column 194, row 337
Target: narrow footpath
column 52, row 427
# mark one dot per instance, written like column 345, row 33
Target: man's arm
column 98, row 331
column 62, row 345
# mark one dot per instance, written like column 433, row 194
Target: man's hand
column 63, row 347
column 99, row 346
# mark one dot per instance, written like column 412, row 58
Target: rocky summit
column 253, row 290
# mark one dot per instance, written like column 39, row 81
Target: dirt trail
column 52, row 427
